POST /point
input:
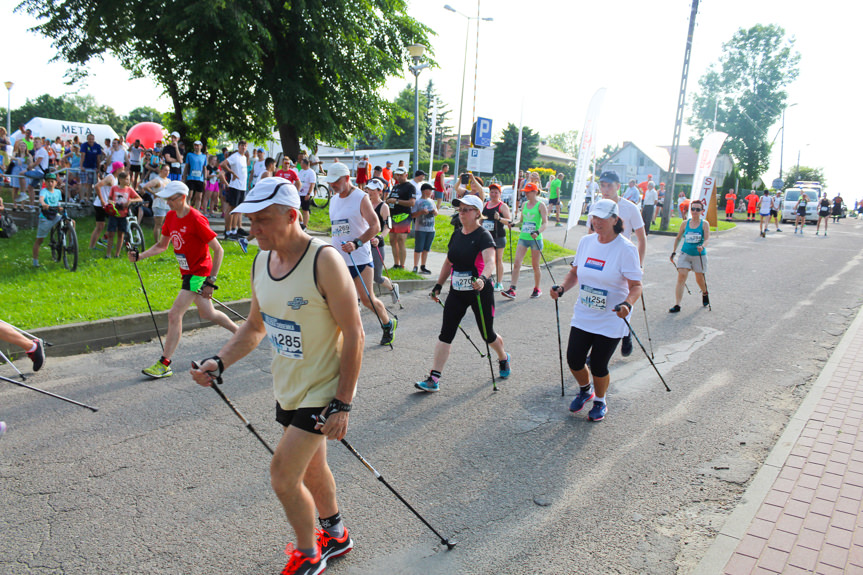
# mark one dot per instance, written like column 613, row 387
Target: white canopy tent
column 47, row 128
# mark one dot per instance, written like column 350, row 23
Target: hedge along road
column 164, row 479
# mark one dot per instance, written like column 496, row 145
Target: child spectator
column 49, row 202
column 423, row 212
column 119, row 200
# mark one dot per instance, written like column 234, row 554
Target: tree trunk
column 290, row 140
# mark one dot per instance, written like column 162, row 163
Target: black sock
column 333, row 525
column 584, row 388
column 435, row 375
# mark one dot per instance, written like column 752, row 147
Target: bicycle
column 136, row 234
column 321, row 196
column 63, row 241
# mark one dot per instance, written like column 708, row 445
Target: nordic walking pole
column 465, row 333
column 644, row 350
column 444, row 540
column 9, row 361
column 387, row 273
column 559, row 290
column 366, row 289
column 485, row 336
column 236, row 313
column 684, row 283
column 30, row 335
column 548, row 269
column 704, row 274
column 54, row 395
column 143, row 289
column 647, row 327
column 509, row 231
column 217, row 381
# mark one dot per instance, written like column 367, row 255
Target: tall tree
column 804, row 174
column 400, row 133
column 745, row 90
column 505, row 149
column 566, row 142
column 312, row 68
column 440, row 127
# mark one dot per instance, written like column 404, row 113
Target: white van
column 792, row 195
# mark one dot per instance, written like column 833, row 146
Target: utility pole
column 678, row 122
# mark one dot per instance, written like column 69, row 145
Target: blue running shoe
column 429, row 385
column 598, row 411
column 504, row 367
column 582, row 398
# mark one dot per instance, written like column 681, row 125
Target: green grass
column 674, row 225
column 51, row 295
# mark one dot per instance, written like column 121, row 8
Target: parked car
column 789, row 203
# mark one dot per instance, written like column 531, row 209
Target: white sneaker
column 395, row 292
column 22, row 197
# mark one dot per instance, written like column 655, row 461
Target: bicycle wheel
column 321, row 197
column 70, row 248
column 136, row 237
column 55, row 241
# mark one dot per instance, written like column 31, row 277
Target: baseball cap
column 420, row 173
column 336, row 171
column 173, row 188
column 375, row 184
column 530, row 187
column 50, row 176
column 425, row 187
column 399, row 171
column 603, row 209
column 468, row 200
column 267, row 192
column 496, row 186
column 117, row 166
column 197, row 143
column 610, row 176
column 175, row 134
column 389, row 163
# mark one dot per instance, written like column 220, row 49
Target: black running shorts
column 303, row 418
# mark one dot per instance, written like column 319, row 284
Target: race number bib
column 692, row 237
column 593, row 298
column 195, row 174
column 488, row 224
column 184, row 263
column 285, row 336
column 461, row 281
column 528, row 227
column 341, row 228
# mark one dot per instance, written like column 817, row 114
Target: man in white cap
column 172, row 156
column 302, row 302
column 354, row 224
column 189, row 233
column 401, row 200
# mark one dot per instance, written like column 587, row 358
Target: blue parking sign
column 483, row 132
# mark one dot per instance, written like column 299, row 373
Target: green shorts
column 193, row 283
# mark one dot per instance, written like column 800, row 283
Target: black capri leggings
column 379, row 252
column 457, row 303
column 601, row 349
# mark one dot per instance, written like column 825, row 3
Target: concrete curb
column 735, row 527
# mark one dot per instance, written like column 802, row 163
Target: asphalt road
column 164, row 479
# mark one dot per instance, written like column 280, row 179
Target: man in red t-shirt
column 751, row 206
column 439, row 178
column 730, row 203
column 189, row 233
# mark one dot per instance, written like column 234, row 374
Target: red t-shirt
column 189, row 236
column 730, row 200
column 387, row 174
column 290, row 175
column 752, row 200
column 121, row 197
column 438, row 181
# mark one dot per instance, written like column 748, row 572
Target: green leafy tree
column 804, row 174
column 606, row 154
column 748, row 83
column 312, row 68
column 401, row 129
column 144, row 114
column 505, row 149
column 48, row 106
column 566, row 142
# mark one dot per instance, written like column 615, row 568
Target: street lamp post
column 463, row 75
column 782, row 141
column 9, row 108
column 416, row 51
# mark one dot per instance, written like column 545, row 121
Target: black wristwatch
column 358, row 243
column 627, row 304
column 337, row 405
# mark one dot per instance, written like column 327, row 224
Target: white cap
column 469, row 200
column 175, row 134
column 197, row 143
column 375, row 184
column 173, row 188
column 400, row 171
column 604, row 209
column 267, row 192
column 336, row 171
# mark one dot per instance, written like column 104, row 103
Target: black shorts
column 306, row 203
column 801, row 211
column 500, row 242
column 196, row 186
column 134, row 169
column 554, row 201
column 234, row 197
column 774, row 214
column 101, row 216
column 303, row 418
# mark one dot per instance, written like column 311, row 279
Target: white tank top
column 348, row 224
column 97, row 201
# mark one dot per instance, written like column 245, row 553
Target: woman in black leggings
column 607, row 274
column 469, row 263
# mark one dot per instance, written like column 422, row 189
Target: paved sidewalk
column 802, row 512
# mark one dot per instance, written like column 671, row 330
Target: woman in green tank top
column 534, row 218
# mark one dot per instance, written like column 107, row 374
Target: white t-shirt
column 118, row 155
column 766, row 204
column 160, row 203
column 348, row 224
column 237, row 163
column 308, row 180
column 417, row 194
column 313, row 162
column 603, row 271
column 135, row 155
column 650, row 197
column 41, row 158
column 631, row 216
column 105, row 190
column 258, row 168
